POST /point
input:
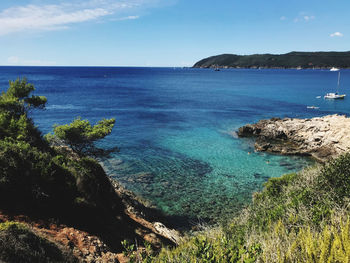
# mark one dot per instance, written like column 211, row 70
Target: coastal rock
column 169, row 233
column 146, row 214
column 321, row 137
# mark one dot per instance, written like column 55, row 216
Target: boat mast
column 338, row 81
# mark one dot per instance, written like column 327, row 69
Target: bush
column 335, row 177
column 19, row 244
column 274, row 186
column 30, row 176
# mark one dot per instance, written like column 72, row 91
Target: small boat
column 312, row 107
column 334, row 69
column 335, row 95
column 318, row 97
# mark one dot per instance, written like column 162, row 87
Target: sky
column 165, row 32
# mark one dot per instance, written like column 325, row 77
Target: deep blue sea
column 176, row 127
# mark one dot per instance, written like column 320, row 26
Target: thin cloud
column 125, row 18
column 61, row 16
column 303, row 17
column 16, row 61
column 336, row 34
column 307, row 18
column 283, row 18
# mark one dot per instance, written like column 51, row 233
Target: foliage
column 19, row 244
column 335, row 176
column 14, row 106
column 135, row 254
column 80, row 135
column 12, row 224
column 213, row 246
column 329, row 244
column 37, row 178
column 17, row 100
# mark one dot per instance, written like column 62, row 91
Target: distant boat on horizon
column 334, row 69
column 313, row 107
column 335, row 95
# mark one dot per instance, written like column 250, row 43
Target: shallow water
column 176, row 127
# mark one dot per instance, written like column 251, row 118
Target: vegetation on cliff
column 51, row 183
column 289, row 60
column 58, row 191
column 40, row 178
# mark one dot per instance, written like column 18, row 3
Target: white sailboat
column 334, row 69
column 335, row 95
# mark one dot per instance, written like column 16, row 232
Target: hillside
column 289, row 60
column 56, row 202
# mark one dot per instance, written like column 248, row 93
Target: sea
column 176, row 127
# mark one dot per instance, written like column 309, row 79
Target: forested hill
column 289, row 60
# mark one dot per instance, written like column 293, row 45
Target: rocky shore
column 145, row 214
column 322, row 138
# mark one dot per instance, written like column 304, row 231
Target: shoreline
column 263, row 67
column 141, row 208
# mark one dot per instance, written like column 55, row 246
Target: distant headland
column 297, row 60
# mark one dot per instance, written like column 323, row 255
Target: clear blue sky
column 165, row 32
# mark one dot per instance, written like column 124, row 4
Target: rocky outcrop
column 144, row 213
column 321, row 137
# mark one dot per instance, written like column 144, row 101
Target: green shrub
column 12, row 225
column 30, row 176
column 270, row 204
column 335, row 177
column 274, row 186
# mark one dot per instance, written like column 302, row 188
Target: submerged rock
column 321, row 137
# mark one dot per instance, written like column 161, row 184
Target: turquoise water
column 176, row 127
